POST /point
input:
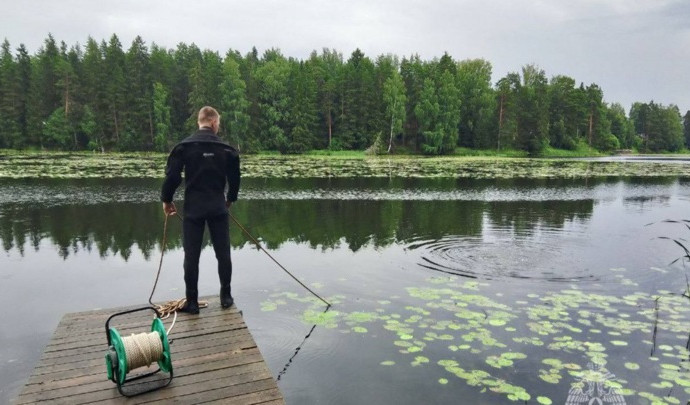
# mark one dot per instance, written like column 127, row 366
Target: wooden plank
column 71, row 318
column 180, row 346
column 215, row 359
column 179, row 334
column 97, row 323
column 42, row 379
column 215, row 390
column 248, row 357
column 99, row 361
column 102, row 392
column 91, row 336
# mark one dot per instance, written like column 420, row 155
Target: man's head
column 209, row 117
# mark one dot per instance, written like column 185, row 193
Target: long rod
column 276, row 261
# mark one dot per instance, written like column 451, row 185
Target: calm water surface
column 490, row 291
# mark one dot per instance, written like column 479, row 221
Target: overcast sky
column 635, row 50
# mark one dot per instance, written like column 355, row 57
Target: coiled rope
column 142, row 349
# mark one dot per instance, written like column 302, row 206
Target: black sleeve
column 233, row 175
column 173, row 174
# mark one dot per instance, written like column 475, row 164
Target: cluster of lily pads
column 565, row 338
column 151, row 165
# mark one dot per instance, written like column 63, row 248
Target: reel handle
column 107, row 323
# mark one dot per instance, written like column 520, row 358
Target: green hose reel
column 116, row 356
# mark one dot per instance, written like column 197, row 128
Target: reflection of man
column 208, row 165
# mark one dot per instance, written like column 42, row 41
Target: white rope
column 142, row 349
column 173, row 324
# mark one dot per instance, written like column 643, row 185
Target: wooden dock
column 214, row 358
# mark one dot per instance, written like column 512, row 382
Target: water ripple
column 507, row 257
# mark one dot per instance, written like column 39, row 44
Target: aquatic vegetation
column 420, row 360
column 326, row 319
column 268, row 306
column 151, row 165
column 478, row 339
column 505, row 359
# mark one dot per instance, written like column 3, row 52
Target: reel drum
column 124, row 354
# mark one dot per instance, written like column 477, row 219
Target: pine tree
column 10, row 131
column 234, row 104
column 205, row 78
column 44, row 95
column 412, row 72
column 427, row 112
column 384, row 68
column 248, row 67
column 186, row 58
column 357, row 110
column 532, row 116
column 477, row 126
column 23, row 95
column 273, row 100
column 77, row 96
column 94, row 96
column 139, row 110
column 564, row 112
column 196, row 97
column 303, row 109
column 327, row 71
column 598, row 126
column 508, row 90
column 115, row 125
column 67, row 85
column 449, row 112
column 161, row 118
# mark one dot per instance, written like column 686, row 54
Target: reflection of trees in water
column 105, row 228
column 525, row 216
column 641, row 203
column 118, row 228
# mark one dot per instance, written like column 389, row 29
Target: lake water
column 490, row 291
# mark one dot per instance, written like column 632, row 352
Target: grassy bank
column 582, row 151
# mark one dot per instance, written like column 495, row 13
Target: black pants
column 192, row 235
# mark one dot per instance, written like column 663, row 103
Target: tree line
column 101, row 97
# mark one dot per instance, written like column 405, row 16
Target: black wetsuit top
column 209, row 164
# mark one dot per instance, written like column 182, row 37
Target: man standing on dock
column 209, row 164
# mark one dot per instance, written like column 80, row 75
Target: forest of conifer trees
column 101, row 97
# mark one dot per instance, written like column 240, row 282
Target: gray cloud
column 635, row 50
